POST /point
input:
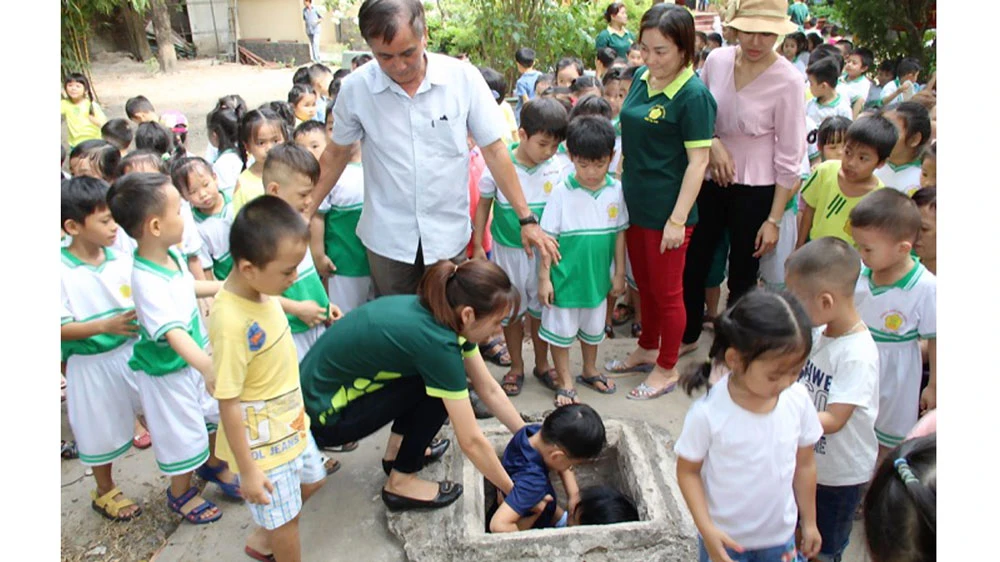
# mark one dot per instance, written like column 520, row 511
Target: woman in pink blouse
column 755, row 158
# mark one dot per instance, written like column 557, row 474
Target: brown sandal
column 512, row 380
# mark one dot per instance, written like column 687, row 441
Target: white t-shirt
column 228, row 168
column 855, row 89
column 844, row 370
column 905, row 178
column 838, row 106
column 749, row 461
column 891, row 87
column 214, row 232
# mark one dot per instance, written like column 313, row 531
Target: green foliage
column 891, row 29
column 78, row 26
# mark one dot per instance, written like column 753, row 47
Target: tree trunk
column 135, row 25
column 165, row 53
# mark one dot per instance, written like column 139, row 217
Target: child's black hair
column 153, row 136
column 285, row 112
column 317, row 71
column 614, row 74
column 907, row 66
column 547, row 78
column 546, row 116
column 930, row 151
column 81, row 197
column 259, row 228
column 575, row 428
column 135, row 157
column 138, row 104
column 917, row 120
column 234, row 102
column 763, row 321
column 181, row 169
column 703, row 55
column 570, row 61
column 900, row 507
column 604, row 505
column 888, row 65
column 585, row 82
column 591, row 104
column 712, row 38
column 252, row 121
column 289, row 157
column 826, row 263
column 307, row 127
column 341, row 73
column 827, row 51
column 926, row 197
column 118, row 132
column 590, row 137
column 525, row 57
column 815, row 40
column 329, row 111
column 301, row 76
column 850, row 46
column 875, row 131
column 225, row 124
column 360, row 59
column 629, row 73
column 496, row 82
column 81, row 79
column 832, row 130
column 607, row 56
column 888, row 211
column 702, row 35
column 866, row 56
column 104, row 155
column 801, row 43
column 824, row 71
column 300, row 91
column 134, row 197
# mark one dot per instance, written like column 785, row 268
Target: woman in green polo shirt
column 404, row 359
column 616, row 36
column 667, row 122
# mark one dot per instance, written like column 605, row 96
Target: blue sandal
column 193, row 516
column 209, row 474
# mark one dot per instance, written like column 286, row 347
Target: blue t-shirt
column 530, row 475
column 525, row 86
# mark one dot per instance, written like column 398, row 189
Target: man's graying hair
column 381, row 19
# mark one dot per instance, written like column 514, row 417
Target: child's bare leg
column 712, row 298
column 560, row 356
column 590, row 366
column 636, row 304
column 541, row 346
column 285, row 542
column 140, row 426
column 514, row 333
column 106, row 483
column 181, row 483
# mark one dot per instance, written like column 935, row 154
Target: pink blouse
column 762, row 125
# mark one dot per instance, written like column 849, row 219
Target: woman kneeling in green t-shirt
column 404, row 359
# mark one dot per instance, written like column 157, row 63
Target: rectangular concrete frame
column 648, row 470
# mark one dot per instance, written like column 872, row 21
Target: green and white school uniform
column 898, row 316
column 839, row 106
column 351, row 285
column 307, row 287
column 586, row 224
column 101, row 393
column 904, row 178
column 508, row 253
column 179, row 411
column 227, row 167
column 855, row 89
column 214, row 232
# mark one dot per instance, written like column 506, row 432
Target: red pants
column 660, row 278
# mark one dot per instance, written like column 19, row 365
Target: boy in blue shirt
column 569, row 436
column 524, row 90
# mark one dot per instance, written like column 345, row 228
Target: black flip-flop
column 548, row 378
column 592, row 383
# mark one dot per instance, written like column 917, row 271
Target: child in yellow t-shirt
column 260, row 130
column 836, row 186
column 265, row 429
column 84, row 118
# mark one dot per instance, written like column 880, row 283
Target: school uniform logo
column 256, row 337
column 612, row 212
column 893, row 320
column 547, row 187
column 656, row 114
column 125, row 291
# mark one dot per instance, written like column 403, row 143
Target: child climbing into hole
column 569, row 436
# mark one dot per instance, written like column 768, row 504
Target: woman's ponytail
column 445, row 288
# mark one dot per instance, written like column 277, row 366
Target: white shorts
column 772, row 265
column 349, row 293
column 523, row 274
column 561, row 326
column 179, row 414
column 898, row 405
column 305, row 340
column 103, row 400
column 286, row 499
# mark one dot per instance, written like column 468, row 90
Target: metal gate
column 213, row 25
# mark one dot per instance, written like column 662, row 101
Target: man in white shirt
column 413, row 112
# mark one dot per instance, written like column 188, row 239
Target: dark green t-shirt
column 619, row 43
column 378, row 343
column 657, row 129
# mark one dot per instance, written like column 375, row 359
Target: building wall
column 277, row 20
column 204, row 31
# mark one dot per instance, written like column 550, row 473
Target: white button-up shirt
column 415, row 155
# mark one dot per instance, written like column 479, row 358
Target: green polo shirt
column 376, row 344
column 657, row 129
column 619, row 43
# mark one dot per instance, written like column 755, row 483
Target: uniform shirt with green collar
column 586, row 223
column 619, row 41
column 164, row 301
column 536, row 182
column 214, row 232
column 307, row 287
column 341, row 210
column 904, row 178
column 839, row 106
column 658, row 127
column 855, row 89
column 374, row 346
column 90, row 292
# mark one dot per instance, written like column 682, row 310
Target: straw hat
column 760, row 16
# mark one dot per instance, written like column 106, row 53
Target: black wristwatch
column 530, row 219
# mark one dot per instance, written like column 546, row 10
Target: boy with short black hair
column 885, row 73
column 290, row 173
column 826, row 102
column 586, row 213
column 842, row 377
column 320, row 77
column 140, row 110
column 258, row 376
column 359, row 60
column 311, row 135
column 905, row 84
column 569, row 436
column 174, row 374
column 856, row 84
column 896, row 297
column 837, row 186
column 524, row 89
column 118, row 132
column 98, row 331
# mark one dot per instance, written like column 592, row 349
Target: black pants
column 404, row 402
column 391, row 277
column 740, row 209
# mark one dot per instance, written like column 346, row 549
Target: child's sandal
column 193, row 516
column 609, row 331
column 230, row 490
column 111, row 509
column 566, row 393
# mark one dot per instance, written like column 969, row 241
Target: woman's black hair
column 496, row 82
column 300, row 91
column 763, row 321
column 900, row 507
column 252, row 121
column 78, row 77
column 585, row 82
column 591, row 104
column 612, row 10
column 917, row 120
column 604, row 505
column 832, row 130
column 156, row 137
column 102, row 154
column 226, row 126
column 673, row 22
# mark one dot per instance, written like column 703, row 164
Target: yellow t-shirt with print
column 79, row 127
column 251, row 187
column 831, row 207
column 255, row 360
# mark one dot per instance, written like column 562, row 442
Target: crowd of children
column 154, row 237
